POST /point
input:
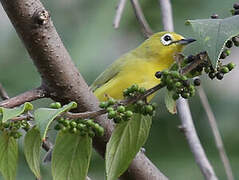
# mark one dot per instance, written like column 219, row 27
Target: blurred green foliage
column 86, row 30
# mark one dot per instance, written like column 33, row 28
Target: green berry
column 6, row 125
column 231, row 66
column 140, row 103
column 135, row 87
column 111, row 101
column 185, row 95
column 100, row 131
column 66, row 122
column 58, row 105
column 191, row 87
column 110, row 109
column 73, row 124
column 128, row 113
column 111, row 114
column 175, row 96
column 81, row 126
column 184, row 78
column 125, row 92
column 227, row 51
column 175, row 74
column 149, row 109
column 154, row 105
column 165, row 72
column 142, row 90
column 121, row 109
column 91, row 133
column 192, row 93
column 224, row 70
column 103, row 105
column 74, row 130
column 178, row 84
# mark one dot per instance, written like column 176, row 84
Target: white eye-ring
column 166, row 39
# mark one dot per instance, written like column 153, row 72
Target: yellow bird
column 139, row 65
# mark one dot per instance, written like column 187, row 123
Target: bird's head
column 164, row 45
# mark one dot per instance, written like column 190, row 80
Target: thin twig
column 167, row 15
column 216, row 133
column 193, row 140
column 184, row 111
column 3, row 93
column 119, row 12
column 24, row 97
column 147, row 31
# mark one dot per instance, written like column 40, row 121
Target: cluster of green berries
column 178, row 83
column 220, row 71
column 235, row 10
column 12, row 127
column 81, row 126
column 212, row 73
column 117, row 113
column 133, row 91
column 142, row 107
column 55, row 105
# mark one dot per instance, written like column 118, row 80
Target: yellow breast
column 139, row 72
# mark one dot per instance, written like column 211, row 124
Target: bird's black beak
column 185, row 41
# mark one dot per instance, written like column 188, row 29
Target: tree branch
column 27, row 96
column 60, row 77
column 147, row 31
column 184, row 111
column 193, row 140
column 119, row 11
column 167, row 15
column 216, row 133
column 3, row 93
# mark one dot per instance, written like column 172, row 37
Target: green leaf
column 125, row 142
column 9, row 113
column 71, row 156
column 211, row 35
column 32, row 146
column 8, row 156
column 44, row 117
column 170, row 102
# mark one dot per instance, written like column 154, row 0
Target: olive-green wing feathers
column 110, row 72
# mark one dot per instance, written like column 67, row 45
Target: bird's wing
column 110, row 72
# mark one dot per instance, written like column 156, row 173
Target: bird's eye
column 166, row 39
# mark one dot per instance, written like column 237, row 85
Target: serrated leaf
column 211, row 35
column 170, row 102
column 9, row 113
column 45, row 116
column 125, row 142
column 8, row 156
column 32, row 146
column 71, row 156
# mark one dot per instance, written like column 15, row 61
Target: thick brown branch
column 3, row 93
column 60, row 77
column 27, row 96
column 147, row 31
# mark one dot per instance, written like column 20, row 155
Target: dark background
column 86, row 30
